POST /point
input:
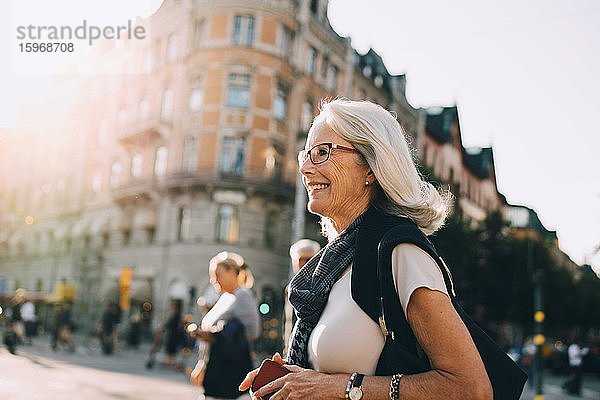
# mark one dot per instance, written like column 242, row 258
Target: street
column 38, row 373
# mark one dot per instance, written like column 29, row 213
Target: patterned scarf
column 309, row 289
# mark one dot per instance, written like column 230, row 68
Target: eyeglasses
column 320, row 153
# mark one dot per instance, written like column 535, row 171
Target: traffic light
column 269, row 308
column 264, row 308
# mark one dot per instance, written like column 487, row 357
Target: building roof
column 523, row 217
column 439, row 121
column 478, row 160
column 372, row 67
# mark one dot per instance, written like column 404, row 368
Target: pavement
column 129, row 378
column 552, row 389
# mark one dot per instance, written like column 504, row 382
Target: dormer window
column 367, row 71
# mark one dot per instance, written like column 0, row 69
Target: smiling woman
column 376, row 210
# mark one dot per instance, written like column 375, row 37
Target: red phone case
column 268, row 372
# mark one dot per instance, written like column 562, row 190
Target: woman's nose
column 306, row 167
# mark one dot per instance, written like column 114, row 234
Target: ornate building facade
column 179, row 147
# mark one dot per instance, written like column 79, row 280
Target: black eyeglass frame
column 304, row 155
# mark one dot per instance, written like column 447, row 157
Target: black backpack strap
column 392, row 318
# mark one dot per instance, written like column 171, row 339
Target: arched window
column 227, row 224
column 160, row 163
column 166, row 108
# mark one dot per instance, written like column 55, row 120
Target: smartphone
column 268, row 372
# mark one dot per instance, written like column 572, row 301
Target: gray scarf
column 309, row 289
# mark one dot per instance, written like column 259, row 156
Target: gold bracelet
column 395, row 386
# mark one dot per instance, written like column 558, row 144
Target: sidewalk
column 552, row 389
column 133, row 361
column 123, row 360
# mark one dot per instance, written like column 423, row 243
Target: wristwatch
column 356, row 392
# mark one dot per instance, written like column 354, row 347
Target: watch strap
column 357, row 381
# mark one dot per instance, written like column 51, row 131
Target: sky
column 523, row 75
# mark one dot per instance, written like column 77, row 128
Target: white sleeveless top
column 346, row 339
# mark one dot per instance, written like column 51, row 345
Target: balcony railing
column 143, row 132
column 151, row 189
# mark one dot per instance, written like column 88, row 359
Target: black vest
column 378, row 234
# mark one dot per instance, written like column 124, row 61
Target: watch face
column 355, row 393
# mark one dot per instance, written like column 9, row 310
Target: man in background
column 300, row 252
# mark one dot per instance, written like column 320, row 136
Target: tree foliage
column 493, row 272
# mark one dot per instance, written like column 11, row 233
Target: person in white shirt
column 29, row 319
column 576, row 354
column 229, row 328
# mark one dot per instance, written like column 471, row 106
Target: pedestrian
column 361, row 179
column 29, row 319
column 66, row 327
column 108, row 323
column 229, row 328
column 16, row 315
column 576, row 353
column 134, row 331
column 300, row 252
column 174, row 334
column 63, row 324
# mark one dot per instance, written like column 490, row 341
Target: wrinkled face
column 223, row 279
column 337, row 184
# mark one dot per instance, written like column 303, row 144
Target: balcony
column 152, row 189
column 143, row 132
column 136, row 190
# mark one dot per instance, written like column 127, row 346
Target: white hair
column 379, row 138
column 304, row 246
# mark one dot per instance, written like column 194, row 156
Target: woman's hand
column 247, row 382
column 197, row 374
column 304, row 384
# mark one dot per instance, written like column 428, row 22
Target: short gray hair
column 379, row 138
column 304, row 246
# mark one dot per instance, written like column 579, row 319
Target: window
column 307, row 115
column 171, row 47
column 196, row 97
column 143, row 110
column 243, row 30
column 273, row 163
column 190, row 154
column 332, row 76
column 96, row 182
column 314, row 6
column 185, row 224
column 238, row 92
column 166, row 108
column 160, row 162
column 115, row 174
column 198, row 33
column 232, row 156
column 311, row 61
column 271, row 225
column 156, row 53
column 378, row 81
column 324, row 66
column 103, row 132
column 280, row 104
column 285, row 41
column 227, row 224
column 137, row 162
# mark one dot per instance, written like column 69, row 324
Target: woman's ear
column 371, row 177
